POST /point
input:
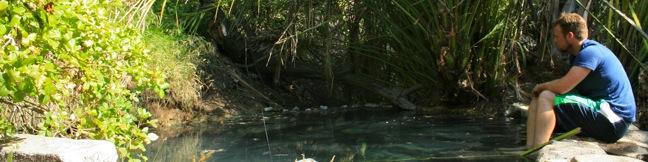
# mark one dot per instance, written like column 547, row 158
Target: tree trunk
column 354, row 36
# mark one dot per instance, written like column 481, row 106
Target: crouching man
column 594, row 95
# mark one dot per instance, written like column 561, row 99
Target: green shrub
column 79, row 68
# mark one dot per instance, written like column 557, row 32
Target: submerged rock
column 152, row 136
column 306, row 160
column 371, row 105
column 517, row 110
column 322, row 107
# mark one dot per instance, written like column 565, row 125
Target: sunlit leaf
column 3, row 29
column 4, row 91
column 15, row 21
column 3, row 5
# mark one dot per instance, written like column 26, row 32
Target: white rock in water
column 295, row 108
column 152, row 136
column 518, row 107
column 267, row 109
column 306, row 160
column 521, row 106
column 323, row 107
column 345, row 106
column 371, row 105
column 40, row 148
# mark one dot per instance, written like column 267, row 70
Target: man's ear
column 571, row 35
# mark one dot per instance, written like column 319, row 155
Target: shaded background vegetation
column 426, row 52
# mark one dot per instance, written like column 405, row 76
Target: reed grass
column 453, row 48
column 450, row 46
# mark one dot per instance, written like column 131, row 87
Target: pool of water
column 360, row 135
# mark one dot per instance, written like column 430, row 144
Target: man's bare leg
column 545, row 121
column 531, row 120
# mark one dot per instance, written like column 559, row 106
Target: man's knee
column 547, row 95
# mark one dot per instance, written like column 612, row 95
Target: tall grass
column 451, row 47
column 178, row 56
column 618, row 25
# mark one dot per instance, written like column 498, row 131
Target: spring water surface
column 359, row 135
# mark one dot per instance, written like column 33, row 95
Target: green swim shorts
column 570, row 98
column 595, row 117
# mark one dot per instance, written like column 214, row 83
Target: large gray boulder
column 624, row 148
column 603, row 158
column 633, row 144
column 632, row 147
column 565, row 150
column 32, row 148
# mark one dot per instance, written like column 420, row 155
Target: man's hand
column 537, row 89
column 565, row 84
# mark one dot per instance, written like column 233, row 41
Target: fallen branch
column 248, row 85
column 563, row 136
column 395, row 95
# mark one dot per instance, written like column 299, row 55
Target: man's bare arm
column 566, row 83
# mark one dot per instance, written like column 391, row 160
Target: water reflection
column 362, row 135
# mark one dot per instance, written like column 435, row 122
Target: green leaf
column 14, row 76
column 3, row 5
column 48, row 87
column 29, row 61
column 26, row 87
column 4, row 91
column 72, row 45
column 153, row 122
column 3, row 29
column 19, row 10
column 53, row 20
column 54, row 34
column 44, row 99
column 15, row 21
column 19, row 96
column 54, row 44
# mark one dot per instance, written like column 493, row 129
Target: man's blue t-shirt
column 607, row 80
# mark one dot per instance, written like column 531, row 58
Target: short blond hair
column 571, row 22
